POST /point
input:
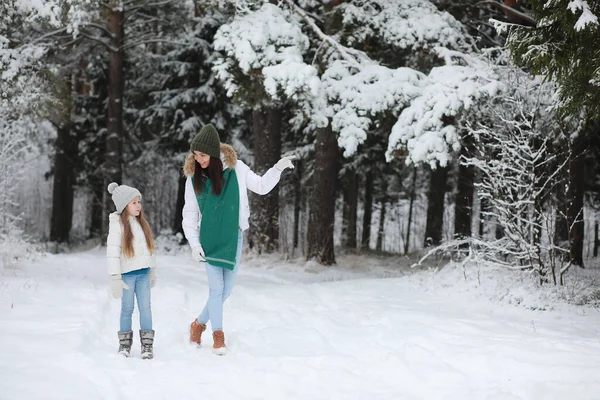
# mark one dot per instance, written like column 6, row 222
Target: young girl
column 215, row 213
column 131, row 265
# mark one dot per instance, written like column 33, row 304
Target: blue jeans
column 139, row 284
column 220, row 285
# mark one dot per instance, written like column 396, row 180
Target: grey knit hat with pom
column 207, row 141
column 122, row 195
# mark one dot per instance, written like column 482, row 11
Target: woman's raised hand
column 285, row 162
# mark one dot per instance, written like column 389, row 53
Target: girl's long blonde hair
column 127, row 237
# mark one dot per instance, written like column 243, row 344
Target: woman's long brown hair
column 127, row 237
column 214, row 172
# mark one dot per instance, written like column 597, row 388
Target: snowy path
column 353, row 339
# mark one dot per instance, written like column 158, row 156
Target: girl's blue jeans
column 139, row 284
column 220, row 285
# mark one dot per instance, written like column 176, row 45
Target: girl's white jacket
column 117, row 263
column 247, row 180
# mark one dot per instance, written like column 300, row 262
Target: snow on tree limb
column 586, row 18
column 49, row 10
column 351, row 56
column 265, row 42
column 405, row 24
column 423, row 127
column 361, row 96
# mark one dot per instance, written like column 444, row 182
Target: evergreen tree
column 563, row 47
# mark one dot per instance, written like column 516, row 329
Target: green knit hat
column 207, row 141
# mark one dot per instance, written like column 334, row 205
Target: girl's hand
column 117, row 285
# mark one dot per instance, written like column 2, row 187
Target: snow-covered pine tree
column 368, row 28
column 562, row 46
column 383, row 29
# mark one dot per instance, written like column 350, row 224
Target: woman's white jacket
column 117, row 262
column 247, row 180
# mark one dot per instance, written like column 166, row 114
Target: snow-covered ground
column 362, row 330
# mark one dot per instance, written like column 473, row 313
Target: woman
column 215, row 214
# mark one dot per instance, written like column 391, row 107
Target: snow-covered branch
column 351, row 56
column 267, row 43
column 404, row 25
column 587, row 17
column 359, row 97
column 425, row 127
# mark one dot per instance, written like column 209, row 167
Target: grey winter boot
column 125, row 340
column 147, row 339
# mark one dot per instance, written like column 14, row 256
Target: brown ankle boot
column 219, row 343
column 196, row 330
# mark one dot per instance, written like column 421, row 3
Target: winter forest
column 446, row 158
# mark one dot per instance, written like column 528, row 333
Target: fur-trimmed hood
column 228, row 156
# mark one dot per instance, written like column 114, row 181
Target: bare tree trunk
column 540, row 176
column 350, row 207
column 464, row 197
column 322, row 200
column 116, row 88
column 368, row 211
column 64, row 181
column 380, row 232
column 435, row 206
column 344, row 232
column 561, row 225
column 264, row 221
column 297, row 202
column 413, row 191
column 575, row 198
